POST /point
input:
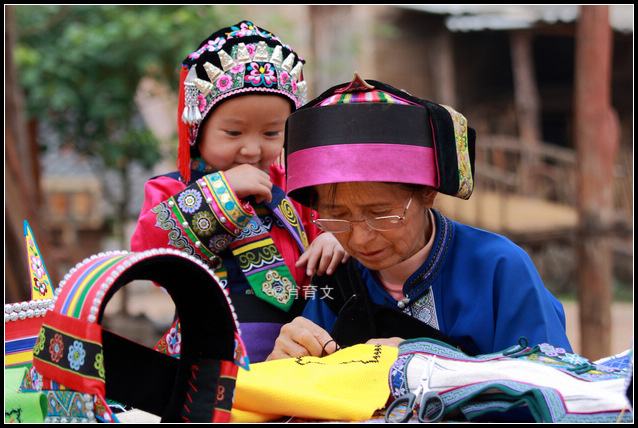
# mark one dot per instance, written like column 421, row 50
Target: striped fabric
column 375, row 96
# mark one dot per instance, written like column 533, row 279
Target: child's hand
column 326, row 252
column 247, row 180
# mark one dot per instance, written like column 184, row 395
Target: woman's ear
column 427, row 197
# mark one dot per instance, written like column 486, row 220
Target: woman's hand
column 247, row 180
column 388, row 341
column 323, row 255
column 302, row 337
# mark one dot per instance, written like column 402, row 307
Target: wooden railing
column 544, row 171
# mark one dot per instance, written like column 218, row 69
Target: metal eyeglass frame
column 399, row 218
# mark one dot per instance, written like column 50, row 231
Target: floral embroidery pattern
column 239, row 68
column 174, row 340
column 56, row 348
column 99, row 364
column 261, row 74
column 284, row 77
column 247, row 28
column 224, row 82
column 202, row 102
column 251, row 49
column 210, row 46
column 76, row 355
column 204, row 223
column 189, row 201
column 36, row 265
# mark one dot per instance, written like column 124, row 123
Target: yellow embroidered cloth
column 349, row 385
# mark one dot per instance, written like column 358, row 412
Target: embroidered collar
column 420, row 281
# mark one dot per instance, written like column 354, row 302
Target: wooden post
column 597, row 140
column 442, row 68
column 526, row 100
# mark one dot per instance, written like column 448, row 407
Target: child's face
column 246, row 129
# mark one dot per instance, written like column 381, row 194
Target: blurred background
column 91, row 107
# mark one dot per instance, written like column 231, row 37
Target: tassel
column 183, row 151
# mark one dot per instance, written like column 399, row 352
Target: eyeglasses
column 381, row 224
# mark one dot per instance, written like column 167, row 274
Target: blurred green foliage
column 80, row 67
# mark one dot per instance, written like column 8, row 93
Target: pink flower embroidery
column 215, row 45
column 284, row 77
column 251, row 49
column 211, row 46
column 202, row 102
column 261, row 74
column 36, row 265
column 294, row 86
column 245, row 30
column 237, row 69
column 224, row 83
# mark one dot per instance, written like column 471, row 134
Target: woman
column 371, row 159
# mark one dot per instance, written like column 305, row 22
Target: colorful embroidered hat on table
column 235, row 60
column 22, row 321
column 370, row 131
column 89, row 363
column 539, row 383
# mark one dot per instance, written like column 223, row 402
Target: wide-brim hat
column 371, row 131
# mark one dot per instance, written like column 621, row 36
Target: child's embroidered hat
column 76, row 353
column 234, row 60
column 370, row 131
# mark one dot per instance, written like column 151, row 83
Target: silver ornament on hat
column 302, row 91
column 261, row 52
column 296, row 71
column 226, row 60
column 203, row 86
column 191, row 114
column 213, row 72
column 277, row 56
column 288, row 63
column 242, row 56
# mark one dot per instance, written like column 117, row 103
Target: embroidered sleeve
column 200, row 219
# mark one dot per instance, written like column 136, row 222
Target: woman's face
column 246, row 129
column 377, row 250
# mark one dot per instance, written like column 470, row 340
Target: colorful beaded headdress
column 74, row 352
column 370, row 131
column 234, row 60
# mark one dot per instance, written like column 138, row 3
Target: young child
column 226, row 205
